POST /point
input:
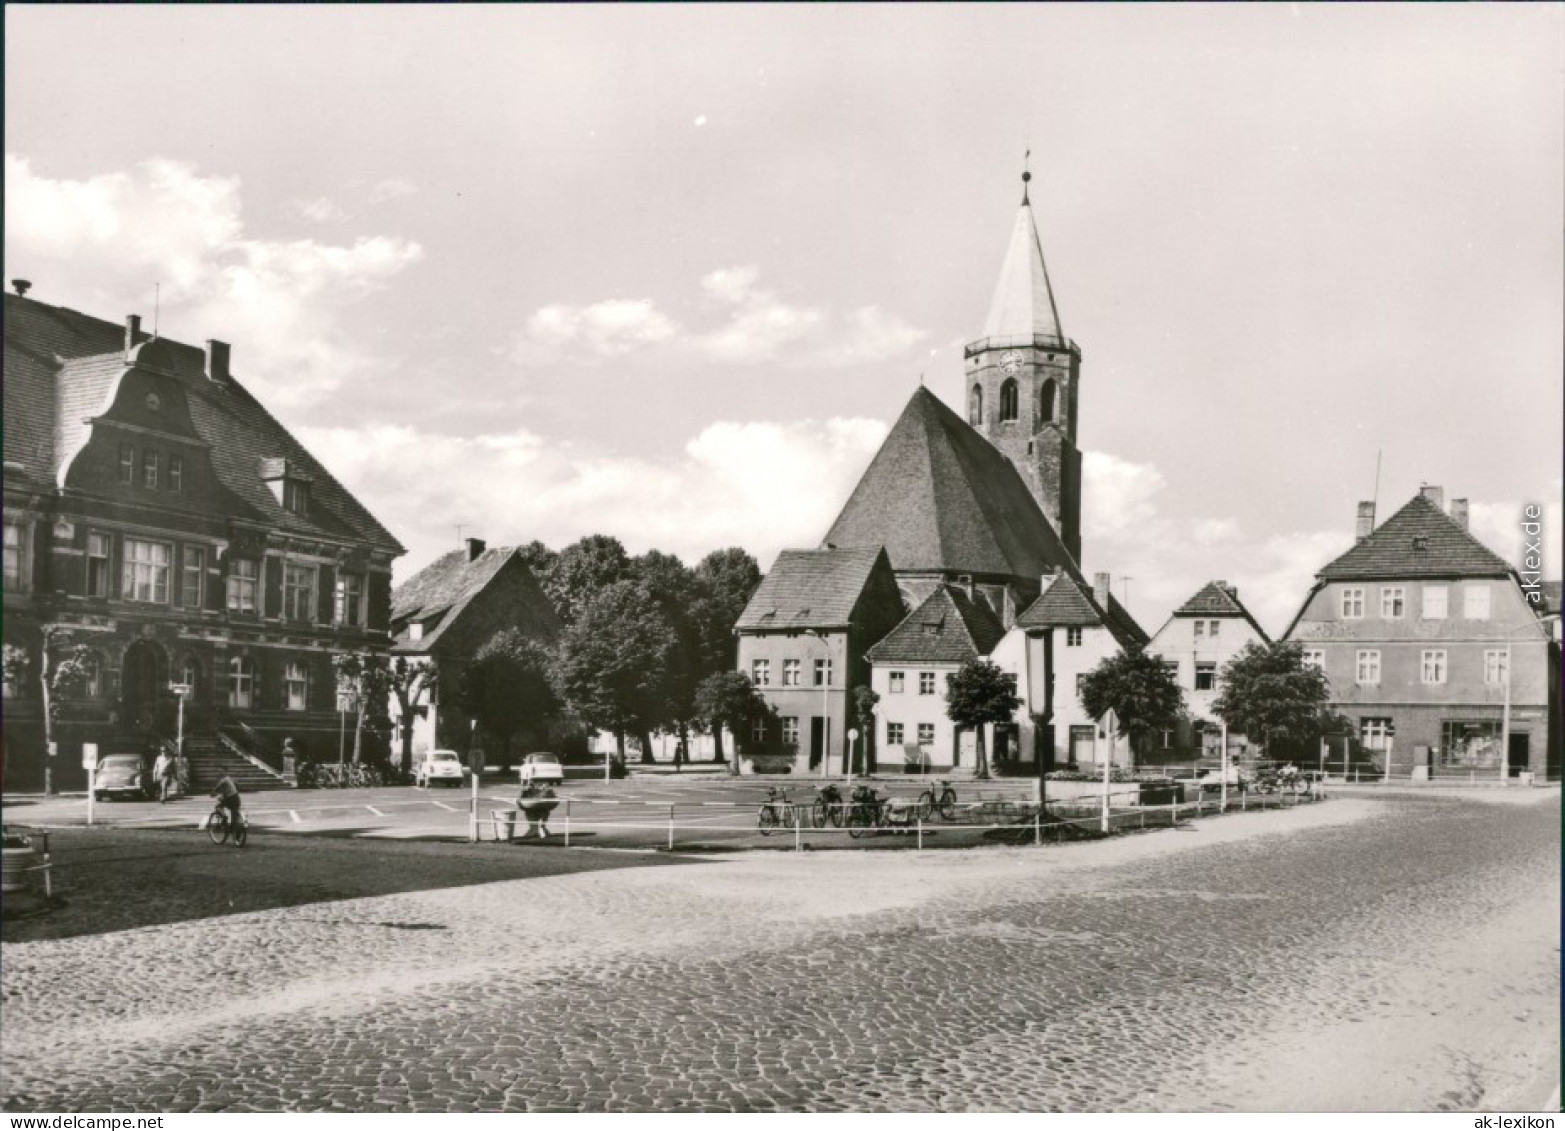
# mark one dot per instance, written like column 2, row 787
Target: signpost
column 475, row 764
column 1109, row 724
column 90, row 764
column 1222, row 805
column 853, row 737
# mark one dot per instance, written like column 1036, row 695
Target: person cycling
column 227, row 794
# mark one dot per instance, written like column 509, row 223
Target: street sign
column 89, row 755
column 475, row 761
column 1109, row 723
column 180, row 689
column 853, row 735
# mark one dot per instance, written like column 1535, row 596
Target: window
column 242, row 579
column 1434, row 602
column 1367, row 666
column 1392, row 600
column 1315, row 658
column 127, row 463
column 758, row 732
column 975, row 405
column 1475, row 602
column 1494, row 666
column 895, row 683
column 1376, row 733
column 1046, row 401
column 1353, row 604
column 926, row 734
column 145, row 576
column 1212, row 626
column 926, row 683
column 1206, row 676
column 149, row 470
column 760, row 672
column 241, row 682
column 790, row 730
column 296, row 683
column 192, row 580
column 176, row 474
column 1073, row 638
column 822, row 673
column 348, row 607
column 92, row 668
column 1470, row 745
column 1081, row 681
column 416, row 630
column 296, row 496
column 16, row 557
column 190, row 674
column 97, row 565
column 1008, row 401
column 1433, row 666
column 790, row 673
column 893, row 734
column 1200, row 629
column 298, row 592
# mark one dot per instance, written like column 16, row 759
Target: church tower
column 1022, row 377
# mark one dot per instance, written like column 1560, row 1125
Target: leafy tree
column 1144, row 694
column 582, row 570
column 725, row 580
column 979, row 692
column 865, row 700
column 62, row 674
column 539, row 558
column 506, row 686
column 364, row 679
column 673, row 585
column 1271, row 694
column 409, row 683
column 728, row 699
column 612, row 663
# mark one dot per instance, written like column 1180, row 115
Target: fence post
column 919, row 817
column 671, row 828
column 567, row 822
column 1037, row 825
column 798, row 838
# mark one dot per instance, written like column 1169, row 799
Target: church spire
column 1023, row 305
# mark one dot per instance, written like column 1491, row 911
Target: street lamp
column 1505, row 713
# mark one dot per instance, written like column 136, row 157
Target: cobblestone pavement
column 1362, row 954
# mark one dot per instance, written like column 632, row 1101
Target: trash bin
column 504, row 823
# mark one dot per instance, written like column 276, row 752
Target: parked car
column 1213, row 779
column 122, row 775
column 439, row 765
column 542, row 769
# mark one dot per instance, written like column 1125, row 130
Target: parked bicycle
column 829, row 808
column 938, row 798
column 220, row 828
column 777, row 811
column 867, row 812
column 1286, row 779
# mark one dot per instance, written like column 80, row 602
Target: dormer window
column 1420, row 545
column 289, row 484
column 415, row 630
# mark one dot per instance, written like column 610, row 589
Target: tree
column 506, row 686
column 673, row 585
column 980, row 693
column 582, row 570
column 1141, row 691
column 1270, row 693
column 539, row 558
column 409, row 682
column 363, row 679
column 62, row 674
column 729, row 699
column 865, row 700
column 612, row 664
column 725, row 580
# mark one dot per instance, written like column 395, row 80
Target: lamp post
column 1505, row 711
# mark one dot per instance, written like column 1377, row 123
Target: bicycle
column 777, row 811
column 867, row 813
column 938, row 798
column 828, row 806
column 219, row 828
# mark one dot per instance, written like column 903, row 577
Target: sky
column 669, row 273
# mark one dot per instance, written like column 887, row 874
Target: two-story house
column 1432, row 648
column 159, row 516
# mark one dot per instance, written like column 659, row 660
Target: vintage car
column 541, row 769
column 123, row 776
column 439, row 766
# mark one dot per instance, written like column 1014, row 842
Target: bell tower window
column 1046, row 401
column 975, row 406
column 1008, row 399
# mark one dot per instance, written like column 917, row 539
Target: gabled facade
column 1197, row 641
column 910, row 668
column 447, row 612
column 158, row 514
column 802, row 641
column 1064, row 634
column 1433, row 650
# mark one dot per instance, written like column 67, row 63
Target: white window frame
column 189, row 571
column 1436, row 602
column 1393, row 602
column 18, row 541
column 149, row 469
column 241, row 683
column 1375, row 732
column 92, row 684
column 790, row 730
column 1432, row 666
column 895, row 733
column 1199, row 629
column 926, row 683
column 1314, row 658
column 1494, row 665
column 761, row 673
column 145, row 579
column 926, row 734
column 792, row 673
column 1211, row 628
column 1366, row 666
column 758, row 731
column 176, row 474
column 1475, row 602
column 127, row 463
column 895, row 682
column 1073, row 638
column 296, row 685
column 1205, row 667
column 823, row 672
column 292, row 588
column 243, row 588
column 349, row 600
column 98, row 539
column 1353, row 603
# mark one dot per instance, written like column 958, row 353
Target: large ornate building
column 158, row 515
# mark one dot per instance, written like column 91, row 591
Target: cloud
column 1499, row 526
column 759, row 325
column 603, row 330
column 871, row 335
column 718, row 492
column 102, row 243
column 321, row 210
column 392, row 188
column 1117, row 494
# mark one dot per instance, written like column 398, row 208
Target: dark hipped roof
column 948, row 628
column 1551, row 597
column 442, row 590
column 938, row 496
column 810, row 589
column 1219, row 599
column 60, row 365
column 1391, row 551
column 1069, row 604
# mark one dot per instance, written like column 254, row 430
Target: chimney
column 1366, row 521
column 475, row 547
column 217, row 361
column 132, row 331
column 22, row 286
column 1459, row 512
column 1435, row 495
column 1100, row 588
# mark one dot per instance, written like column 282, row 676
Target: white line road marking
column 443, row 805
column 374, row 810
column 295, row 817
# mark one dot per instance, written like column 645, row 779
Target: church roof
column 1420, row 540
column 1068, row 603
column 940, row 497
column 811, row 589
column 949, row 627
column 1023, row 305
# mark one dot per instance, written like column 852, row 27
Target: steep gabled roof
column 940, row 497
column 811, row 589
column 1023, row 305
column 1420, row 540
column 1219, row 599
column 948, row 628
column 1067, row 603
column 442, row 591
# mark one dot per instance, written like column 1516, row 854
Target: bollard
column 671, row 828
column 798, row 838
column 567, row 822
column 1037, row 825
column 1244, row 801
column 1173, row 814
column 919, row 816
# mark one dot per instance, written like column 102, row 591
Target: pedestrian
column 162, row 773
